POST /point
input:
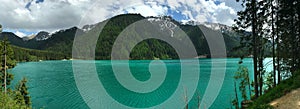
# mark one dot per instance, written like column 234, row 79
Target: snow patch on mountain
column 165, row 23
column 87, row 28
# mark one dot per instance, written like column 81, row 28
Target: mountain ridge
column 62, row 41
column 87, row 27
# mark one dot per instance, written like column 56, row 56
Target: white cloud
column 208, row 11
column 148, row 10
column 51, row 15
column 48, row 15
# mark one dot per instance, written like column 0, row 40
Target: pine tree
column 22, row 89
column 18, row 99
column 288, row 35
column 7, row 62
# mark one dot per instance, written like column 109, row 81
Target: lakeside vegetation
column 277, row 21
column 286, row 86
column 27, row 55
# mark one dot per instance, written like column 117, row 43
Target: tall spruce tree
column 247, row 18
column 7, row 62
column 257, row 15
column 288, row 35
column 21, row 87
column 11, row 99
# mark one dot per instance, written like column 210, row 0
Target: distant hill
column 62, row 41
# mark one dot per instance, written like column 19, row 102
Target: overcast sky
column 24, row 17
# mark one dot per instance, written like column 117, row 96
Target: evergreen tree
column 288, row 39
column 21, row 87
column 7, row 62
column 18, row 99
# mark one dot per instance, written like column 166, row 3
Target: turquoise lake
column 52, row 84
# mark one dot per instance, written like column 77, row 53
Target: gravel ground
column 289, row 101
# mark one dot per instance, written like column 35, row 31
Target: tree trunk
column 254, row 35
column 5, row 85
column 273, row 46
column 294, row 41
column 278, row 50
column 236, row 96
column 249, row 87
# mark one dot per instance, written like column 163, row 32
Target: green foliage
column 10, row 62
column 25, row 55
column 12, row 99
column 9, row 78
column 242, row 76
column 141, row 51
column 288, row 30
column 153, row 48
column 261, row 106
column 268, row 81
column 19, row 54
column 8, row 102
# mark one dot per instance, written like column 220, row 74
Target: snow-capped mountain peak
column 214, row 26
column 42, row 36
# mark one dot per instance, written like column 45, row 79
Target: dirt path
column 289, row 101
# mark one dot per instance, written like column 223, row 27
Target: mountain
column 14, row 39
column 62, row 41
column 42, row 36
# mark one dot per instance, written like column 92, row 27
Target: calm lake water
column 52, row 84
